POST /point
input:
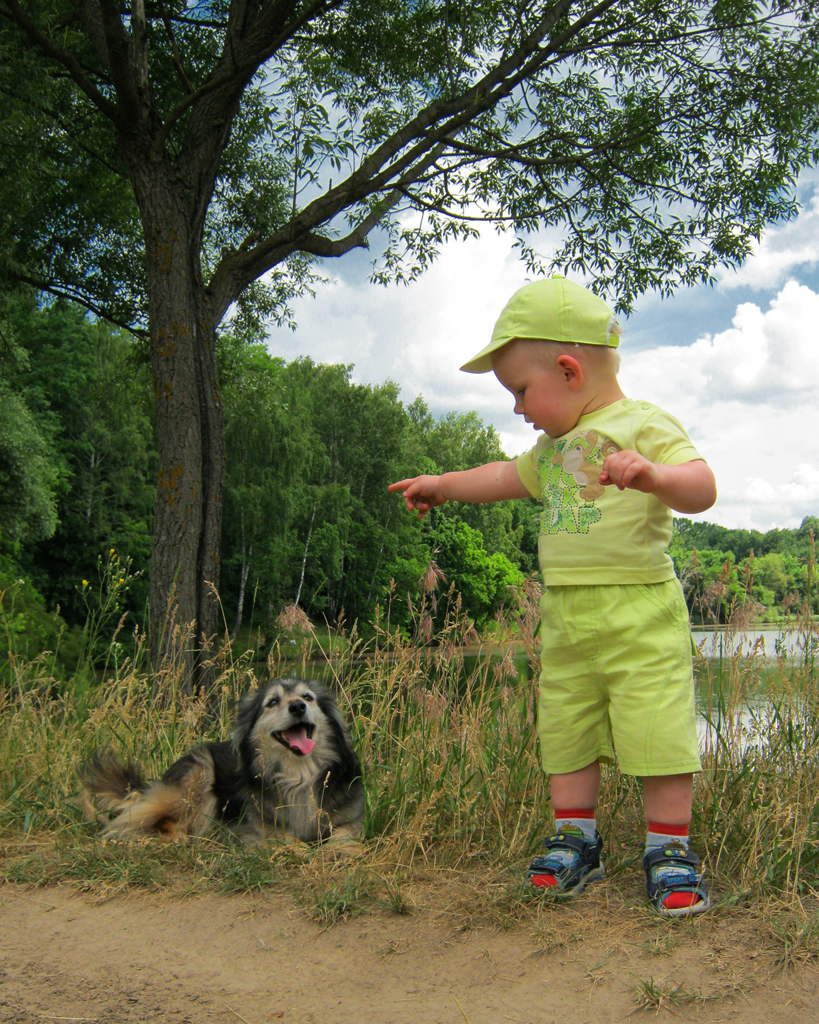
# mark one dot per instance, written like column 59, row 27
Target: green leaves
column 28, row 504
column 483, row 579
column 77, row 449
column 723, row 569
column 176, row 163
column 307, row 511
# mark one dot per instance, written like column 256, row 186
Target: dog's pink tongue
column 299, row 740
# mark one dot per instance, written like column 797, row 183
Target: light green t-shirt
column 590, row 534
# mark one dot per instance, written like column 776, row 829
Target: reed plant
column 757, row 805
column 450, row 759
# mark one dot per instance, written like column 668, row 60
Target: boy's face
column 543, row 390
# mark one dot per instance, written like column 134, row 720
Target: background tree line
column 308, row 519
column 757, row 576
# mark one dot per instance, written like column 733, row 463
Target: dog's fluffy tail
column 108, row 785
column 184, row 806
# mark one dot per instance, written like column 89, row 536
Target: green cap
column 550, row 310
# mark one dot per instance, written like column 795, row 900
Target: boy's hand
column 421, row 493
column 630, row 469
column 688, row 487
column 494, row 481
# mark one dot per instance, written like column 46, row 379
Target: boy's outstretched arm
column 495, row 481
column 689, row 487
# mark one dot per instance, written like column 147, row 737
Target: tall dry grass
column 449, row 752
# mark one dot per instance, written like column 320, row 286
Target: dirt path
column 146, row 959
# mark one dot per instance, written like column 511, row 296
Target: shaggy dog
column 290, row 772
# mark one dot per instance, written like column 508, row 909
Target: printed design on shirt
column 568, row 474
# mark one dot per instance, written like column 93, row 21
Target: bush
column 28, row 631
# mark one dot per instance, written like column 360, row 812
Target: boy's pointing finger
column 400, row 485
column 413, row 504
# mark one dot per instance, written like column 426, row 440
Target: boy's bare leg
column 668, row 798
column 576, row 789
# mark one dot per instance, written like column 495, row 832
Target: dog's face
column 287, row 720
column 290, row 715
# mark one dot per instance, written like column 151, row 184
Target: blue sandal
column 571, row 860
column 673, row 869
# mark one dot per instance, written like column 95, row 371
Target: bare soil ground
column 208, row 959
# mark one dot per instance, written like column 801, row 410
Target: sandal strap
column 572, row 860
column 668, row 855
column 582, row 848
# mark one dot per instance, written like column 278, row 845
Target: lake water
column 766, row 642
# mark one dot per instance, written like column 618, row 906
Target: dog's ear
column 341, row 733
column 249, row 709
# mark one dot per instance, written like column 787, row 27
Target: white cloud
column 769, row 357
column 747, row 397
column 782, row 499
column 804, row 485
column 760, row 491
column 419, row 335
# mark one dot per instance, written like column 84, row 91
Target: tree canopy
column 168, row 162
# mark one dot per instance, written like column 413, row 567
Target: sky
column 736, row 363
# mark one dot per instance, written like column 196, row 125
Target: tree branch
column 238, row 268
column 175, row 49
column 372, row 176
column 319, row 245
column 82, row 300
column 51, row 49
column 236, row 68
column 659, row 41
column 139, row 34
column 113, row 47
column 69, row 129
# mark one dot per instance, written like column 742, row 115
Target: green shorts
column 617, row 678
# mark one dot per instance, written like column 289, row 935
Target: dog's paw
column 340, row 847
column 286, row 847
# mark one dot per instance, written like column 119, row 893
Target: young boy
column 616, row 652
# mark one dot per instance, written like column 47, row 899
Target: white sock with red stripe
column 659, row 834
column 577, row 818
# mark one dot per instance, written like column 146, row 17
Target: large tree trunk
column 173, row 193
column 190, row 437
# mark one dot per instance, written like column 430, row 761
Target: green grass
column 757, row 805
column 664, row 993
